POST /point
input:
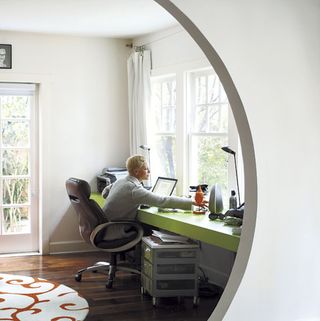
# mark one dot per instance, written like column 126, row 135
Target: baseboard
column 214, row 276
column 70, row 247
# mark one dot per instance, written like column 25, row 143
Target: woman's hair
column 135, row 162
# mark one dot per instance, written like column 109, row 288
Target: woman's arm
column 142, row 196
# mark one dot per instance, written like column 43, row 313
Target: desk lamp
column 230, row 151
column 147, row 148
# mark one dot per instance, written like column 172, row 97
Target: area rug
column 24, row 298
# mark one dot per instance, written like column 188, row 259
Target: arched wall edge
column 248, row 158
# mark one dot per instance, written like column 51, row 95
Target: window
column 202, row 114
column 162, row 127
column 208, row 129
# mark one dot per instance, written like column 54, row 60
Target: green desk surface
column 197, row 227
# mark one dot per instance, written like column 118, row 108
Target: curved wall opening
column 246, row 141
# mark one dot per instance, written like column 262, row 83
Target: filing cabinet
column 169, row 270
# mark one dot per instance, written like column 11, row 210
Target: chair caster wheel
column 109, row 284
column 154, row 301
column 77, row 277
column 196, row 301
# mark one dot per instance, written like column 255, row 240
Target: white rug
column 24, row 298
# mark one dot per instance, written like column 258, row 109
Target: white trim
column 189, row 66
column 16, row 89
column 19, row 254
column 70, row 247
column 44, row 85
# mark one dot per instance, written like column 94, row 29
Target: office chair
column 94, row 226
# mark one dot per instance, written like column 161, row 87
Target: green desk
column 197, row 227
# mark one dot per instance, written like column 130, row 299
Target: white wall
column 271, row 49
column 83, row 116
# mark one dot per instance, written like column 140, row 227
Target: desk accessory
column 204, row 187
column 199, row 200
column 233, row 203
column 215, row 216
column 230, row 151
column 233, row 221
column 236, row 212
column 147, row 148
column 215, row 199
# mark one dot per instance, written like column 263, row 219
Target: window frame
column 181, row 72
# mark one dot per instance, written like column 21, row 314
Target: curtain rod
column 143, row 47
column 136, row 48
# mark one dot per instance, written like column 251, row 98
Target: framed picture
column 5, row 56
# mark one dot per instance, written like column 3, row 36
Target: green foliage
column 213, row 165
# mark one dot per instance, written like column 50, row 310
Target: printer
column 110, row 175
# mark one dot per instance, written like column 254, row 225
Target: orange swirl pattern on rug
column 24, row 298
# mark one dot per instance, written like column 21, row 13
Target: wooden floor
column 122, row 303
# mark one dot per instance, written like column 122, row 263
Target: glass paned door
column 18, row 221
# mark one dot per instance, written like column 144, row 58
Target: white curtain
column 139, row 89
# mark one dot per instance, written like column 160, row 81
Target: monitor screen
column 164, row 186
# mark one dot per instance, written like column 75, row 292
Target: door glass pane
column 15, row 191
column 15, row 107
column 15, row 162
column 15, row 133
column 15, row 220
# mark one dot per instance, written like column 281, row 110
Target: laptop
column 164, row 186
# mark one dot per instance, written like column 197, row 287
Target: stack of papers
column 170, row 237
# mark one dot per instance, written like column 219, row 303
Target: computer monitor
column 164, row 186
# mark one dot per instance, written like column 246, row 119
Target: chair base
column 109, row 268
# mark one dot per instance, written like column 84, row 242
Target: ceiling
column 102, row 18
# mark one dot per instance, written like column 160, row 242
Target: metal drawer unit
column 169, row 269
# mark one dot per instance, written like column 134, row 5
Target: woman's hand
column 204, row 203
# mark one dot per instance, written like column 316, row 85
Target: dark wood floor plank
column 122, row 303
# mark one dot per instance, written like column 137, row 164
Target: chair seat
column 112, row 244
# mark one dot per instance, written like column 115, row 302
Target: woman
column 124, row 196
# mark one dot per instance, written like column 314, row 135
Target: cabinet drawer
column 176, row 268
column 175, row 285
column 176, row 254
